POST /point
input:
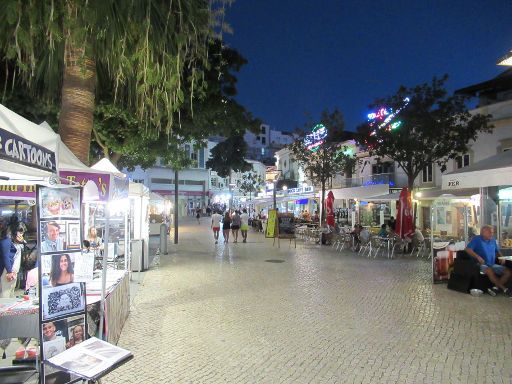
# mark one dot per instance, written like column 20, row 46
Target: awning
column 387, row 197
column 361, row 192
column 434, row 193
column 493, row 171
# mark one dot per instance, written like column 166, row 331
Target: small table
column 18, row 318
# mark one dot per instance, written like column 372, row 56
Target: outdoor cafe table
column 18, row 318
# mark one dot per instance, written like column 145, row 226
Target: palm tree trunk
column 76, row 117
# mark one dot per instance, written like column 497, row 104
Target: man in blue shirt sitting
column 485, row 250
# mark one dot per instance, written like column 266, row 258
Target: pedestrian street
column 256, row 313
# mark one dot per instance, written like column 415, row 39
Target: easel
column 279, row 235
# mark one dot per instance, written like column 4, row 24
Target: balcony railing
column 381, row 178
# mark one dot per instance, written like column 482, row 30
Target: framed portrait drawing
column 59, row 202
column 73, row 235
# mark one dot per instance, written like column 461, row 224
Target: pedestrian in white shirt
column 244, row 224
column 216, row 219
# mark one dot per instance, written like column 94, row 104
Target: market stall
column 139, row 226
column 26, row 168
column 159, row 212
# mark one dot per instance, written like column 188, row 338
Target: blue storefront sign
column 20, row 150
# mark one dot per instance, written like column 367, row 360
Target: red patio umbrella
column 329, row 209
column 404, row 220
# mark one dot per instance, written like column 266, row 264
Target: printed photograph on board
column 55, row 235
column 63, row 202
column 58, row 269
column 62, row 300
column 76, row 330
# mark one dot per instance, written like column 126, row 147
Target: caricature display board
column 63, row 270
column 286, row 226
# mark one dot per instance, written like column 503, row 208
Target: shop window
column 462, row 161
column 263, row 140
column 263, row 129
column 157, row 180
column 428, row 174
column 380, row 168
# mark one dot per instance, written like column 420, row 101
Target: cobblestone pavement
column 221, row 314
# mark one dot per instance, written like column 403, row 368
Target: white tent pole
column 126, row 237
column 104, row 268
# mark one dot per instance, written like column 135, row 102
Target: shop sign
column 20, row 150
column 270, row 231
column 453, row 183
column 102, row 181
column 18, row 191
column 295, row 191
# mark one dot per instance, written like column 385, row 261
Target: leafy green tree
column 116, row 129
column 323, row 161
column 229, row 156
column 146, row 51
column 424, row 125
column 251, row 182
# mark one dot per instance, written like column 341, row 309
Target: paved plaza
column 222, row 314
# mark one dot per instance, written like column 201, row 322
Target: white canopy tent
column 105, row 165
column 15, row 124
column 15, row 173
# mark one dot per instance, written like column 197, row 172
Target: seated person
column 383, row 232
column 365, row 234
column 356, row 240
column 484, row 249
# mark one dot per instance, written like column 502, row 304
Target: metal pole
column 176, row 207
column 274, row 195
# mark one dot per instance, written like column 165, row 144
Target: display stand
column 271, row 229
column 62, row 309
column 286, row 228
column 451, row 219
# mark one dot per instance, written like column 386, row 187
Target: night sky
column 306, row 55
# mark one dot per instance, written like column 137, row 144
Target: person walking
column 198, row 215
column 244, row 224
column 235, row 225
column 226, row 226
column 216, row 219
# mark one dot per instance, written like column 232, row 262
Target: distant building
column 263, row 145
